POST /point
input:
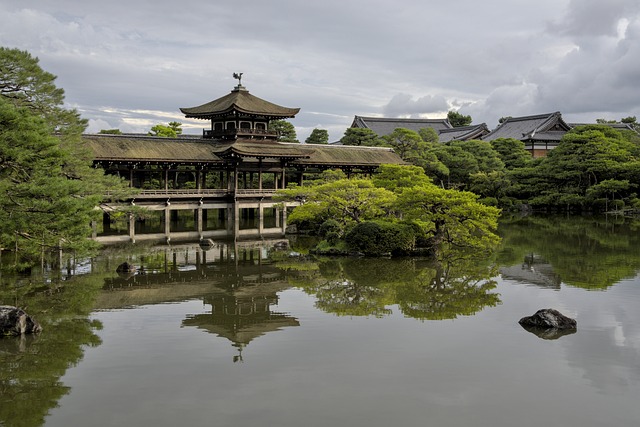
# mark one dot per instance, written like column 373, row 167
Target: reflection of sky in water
column 366, row 371
column 607, row 347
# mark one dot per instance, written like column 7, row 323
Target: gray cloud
column 336, row 59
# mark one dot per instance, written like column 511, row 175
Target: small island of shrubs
column 398, row 212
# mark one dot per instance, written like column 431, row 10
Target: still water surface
column 239, row 335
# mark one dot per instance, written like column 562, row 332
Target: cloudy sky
column 131, row 64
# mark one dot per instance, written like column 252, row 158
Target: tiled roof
column 619, row 126
column 348, row 155
column 463, row 133
column 529, row 127
column 242, row 101
column 385, row 126
column 151, row 149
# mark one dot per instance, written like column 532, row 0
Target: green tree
column 512, row 152
column 465, row 158
column 348, row 201
column 452, row 219
column 110, row 132
column 25, row 84
column 429, row 135
column 361, row 137
column 285, row 130
column 176, row 126
column 163, row 131
column 318, row 136
column 406, row 143
column 397, row 178
column 457, row 119
column 586, row 156
column 48, row 187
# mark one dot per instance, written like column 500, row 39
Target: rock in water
column 548, row 318
column 14, row 321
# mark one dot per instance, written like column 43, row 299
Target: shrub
column 330, row 227
column 376, row 238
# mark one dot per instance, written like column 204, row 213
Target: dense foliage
column 595, row 168
column 48, row 187
column 396, row 212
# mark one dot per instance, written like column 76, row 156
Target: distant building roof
column 463, row 133
column 618, row 126
column 385, row 126
column 241, row 101
column 546, row 127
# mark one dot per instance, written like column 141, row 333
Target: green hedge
column 376, row 238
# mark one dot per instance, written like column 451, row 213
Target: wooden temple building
column 220, row 183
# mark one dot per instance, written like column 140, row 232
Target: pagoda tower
column 239, row 115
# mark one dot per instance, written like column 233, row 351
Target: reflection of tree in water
column 445, row 291
column 31, row 366
column 423, row 290
column 586, row 252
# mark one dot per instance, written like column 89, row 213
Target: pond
column 245, row 333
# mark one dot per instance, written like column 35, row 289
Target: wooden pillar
column 260, row 174
column 199, row 218
column 300, row 178
column 230, row 218
column 131, row 176
column 260, row 218
column 236, row 219
column 166, row 178
column 284, row 176
column 235, row 179
column 284, row 218
column 167, row 220
column 132, row 227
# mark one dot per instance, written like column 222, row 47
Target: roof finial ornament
column 239, row 77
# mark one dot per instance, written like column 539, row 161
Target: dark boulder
column 548, row 318
column 14, row 321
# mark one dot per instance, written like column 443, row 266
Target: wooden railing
column 207, row 192
column 207, row 133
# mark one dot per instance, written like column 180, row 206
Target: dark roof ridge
column 464, row 128
column 400, row 119
column 336, row 146
column 530, row 117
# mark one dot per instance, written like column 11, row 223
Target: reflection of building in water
column 534, row 270
column 243, row 316
column 175, row 273
column 237, row 279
